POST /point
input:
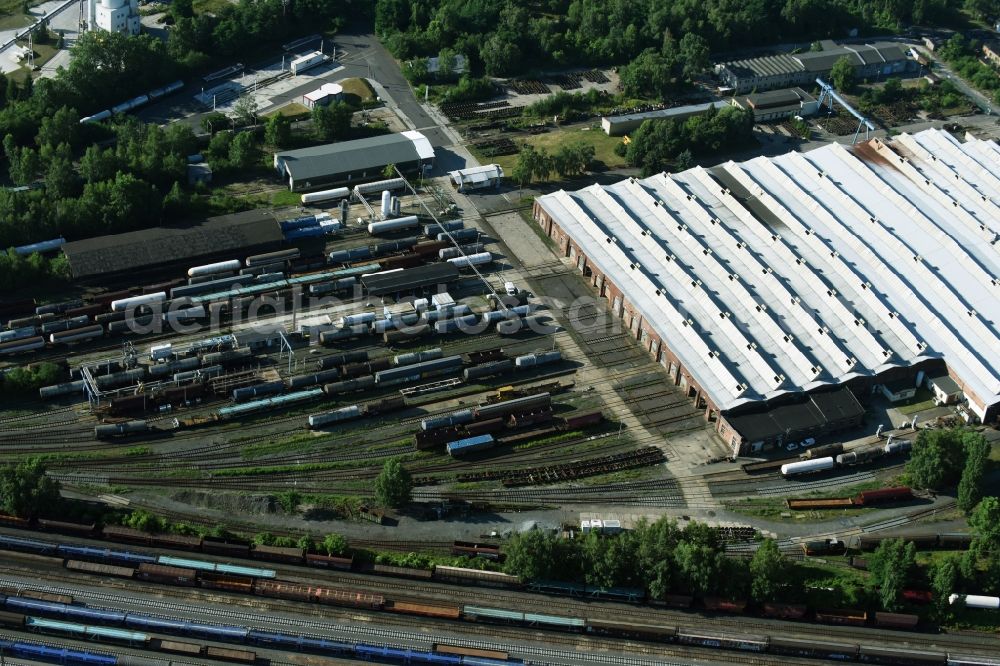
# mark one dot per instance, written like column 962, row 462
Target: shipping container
column 230, row 654
column 158, row 573
column 277, row 554
column 100, row 569
column 470, row 445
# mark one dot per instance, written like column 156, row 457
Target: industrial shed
column 778, row 104
column 621, row 125
column 814, row 414
column 353, row 161
column 754, row 283
column 223, row 236
column 408, row 280
column 474, row 178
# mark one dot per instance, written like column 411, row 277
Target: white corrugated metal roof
column 477, row 175
column 782, row 274
column 421, row 143
column 324, row 91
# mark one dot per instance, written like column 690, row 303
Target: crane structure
column 827, row 93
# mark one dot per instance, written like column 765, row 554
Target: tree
column 698, row 565
column 278, row 131
column 181, row 9
column 393, row 484
column 649, row 75
column 334, row 544
column 970, row 488
column 26, row 491
column 243, row 151
column 766, row 570
column 176, row 201
column 245, row 109
column 890, row 566
column 684, row 160
column 331, row 122
column 842, row 75
column 97, row 165
column 694, row 54
column 60, row 179
column 538, row 555
column 573, row 158
column 985, row 524
column 389, row 171
column 936, row 458
column 500, row 57
column 944, row 582
column 531, row 164
column 446, row 63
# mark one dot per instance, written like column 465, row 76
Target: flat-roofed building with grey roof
column 757, row 283
column 871, row 61
column 778, row 104
column 353, row 161
column 620, row 125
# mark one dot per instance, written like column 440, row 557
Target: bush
column 470, row 89
column 21, row 382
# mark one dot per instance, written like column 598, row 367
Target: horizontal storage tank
column 323, row 377
column 433, row 229
column 452, row 252
column 118, row 429
column 308, row 232
column 388, row 226
column 465, row 323
column 459, row 235
column 389, row 247
column 173, row 367
column 267, row 278
column 77, row 334
column 405, row 335
column 479, row 259
column 18, row 333
column 230, row 356
column 247, row 392
column 218, row 267
column 123, row 378
column 419, row 370
column 355, row 319
column 487, row 370
column 64, row 324
column 471, row 444
column 543, row 358
column 328, row 337
column 455, row 418
column 41, row 247
column 379, row 185
column 23, row 345
column 807, row 466
column 277, row 402
column 195, row 312
column 338, row 360
column 69, row 388
column 58, row 308
column 202, row 373
column 418, row 357
column 897, row 446
column 326, row 195
column 380, row 326
column 135, row 301
column 299, row 223
column 326, row 418
column 350, row 385
column 506, row 407
column 272, row 257
column 261, row 269
column 976, row 601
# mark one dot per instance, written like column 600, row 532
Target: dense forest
column 515, row 36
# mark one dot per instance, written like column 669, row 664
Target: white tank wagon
column 335, row 416
column 379, row 185
column 808, row 466
column 532, row 360
column 388, row 226
column 976, row 601
column 326, row 195
column 479, row 259
column 136, row 301
column 418, row 357
column 218, row 267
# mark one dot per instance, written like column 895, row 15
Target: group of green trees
column 931, row 98
column 515, row 36
column 393, row 484
column 32, row 269
column 24, row 381
column 963, row 55
column 659, row 557
column 944, row 458
column 658, row 144
column 572, row 159
column 26, row 491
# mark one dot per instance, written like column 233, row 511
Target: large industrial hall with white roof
column 778, row 291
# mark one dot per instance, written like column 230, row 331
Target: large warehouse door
column 616, row 307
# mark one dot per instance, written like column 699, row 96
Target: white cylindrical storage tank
column 386, row 203
column 806, row 466
column 326, row 195
column 478, row 259
column 379, row 185
column 342, row 414
column 134, row 301
column 977, row 601
column 418, row 357
column 356, row 319
column 375, row 228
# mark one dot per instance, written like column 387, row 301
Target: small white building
column 308, row 61
column 475, row 178
column 324, row 95
column 114, row 16
column 945, row 389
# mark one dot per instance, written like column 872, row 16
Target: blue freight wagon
column 470, row 444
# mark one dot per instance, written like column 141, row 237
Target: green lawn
column 357, row 92
column 604, row 146
column 924, row 399
column 292, row 110
column 286, row 198
column 210, row 6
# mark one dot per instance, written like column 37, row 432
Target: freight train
column 828, row 462
column 864, row 499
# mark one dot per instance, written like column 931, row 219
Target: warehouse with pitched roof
column 762, row 284
column 351, row 162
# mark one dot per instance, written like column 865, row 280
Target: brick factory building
column 765, row 288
